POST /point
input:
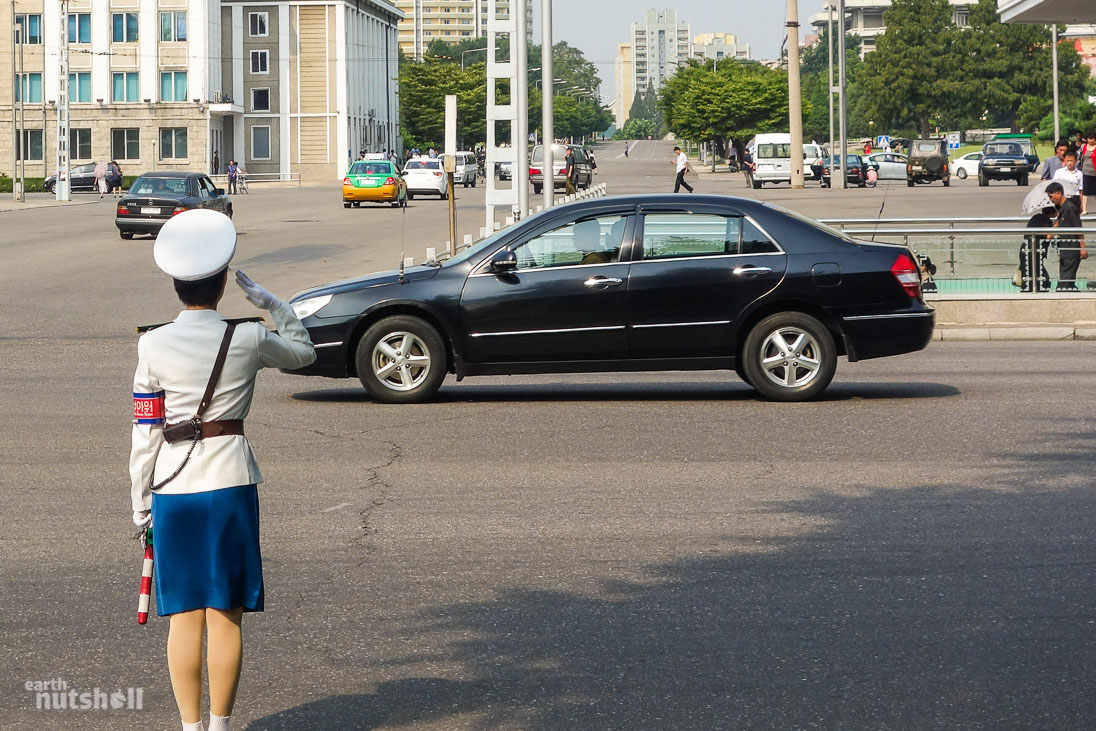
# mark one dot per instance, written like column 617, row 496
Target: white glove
column 141, row 518
column 256, row 295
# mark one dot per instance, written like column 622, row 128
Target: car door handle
column 600, row 281
column 751, row 271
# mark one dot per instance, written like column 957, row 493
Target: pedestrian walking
column 1071, row 248
column 1070, row 173
column 233, row 171
column 681, row 162
column 102, row 171
column 748, row 166
column 114, row 178
column 193, row 474
column 1053, row 164
column 625, row 148
column 570, row 172
column 1088, row 168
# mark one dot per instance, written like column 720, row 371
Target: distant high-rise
column 451, row 21
column 624, row 90
column 660, row 42
column 719, row 46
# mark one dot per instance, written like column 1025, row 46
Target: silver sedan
column 891, row 165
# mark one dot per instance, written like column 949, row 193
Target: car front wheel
column 789, row 356
column 401, row 360
column 961, row 173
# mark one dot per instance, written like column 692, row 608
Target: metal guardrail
column 261, row 178
column 979, row 255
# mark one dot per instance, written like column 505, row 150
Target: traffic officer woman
column 200, row 491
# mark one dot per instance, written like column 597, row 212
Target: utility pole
column 829, row 78
column 14, row 113
column 1054, row 58
column 63, row 188
column 520, row 96
column 842, row 110
column 546, row 112
column 21, row 135
column 795, row 95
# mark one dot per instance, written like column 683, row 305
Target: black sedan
column 857, row 170
column 81, row 177
column 628, row 283
column 155, row 197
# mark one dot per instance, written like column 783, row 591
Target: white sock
column 193, row 726
column 218, row 723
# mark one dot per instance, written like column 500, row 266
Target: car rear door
column 694, row 271
column 565, row 301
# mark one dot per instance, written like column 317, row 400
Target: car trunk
column 148, row 207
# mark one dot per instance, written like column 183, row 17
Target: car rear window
column 423, row 165
column 774, row 152
column 927, row 147
column 158, row 186
column 371, row 168
column 558, row 151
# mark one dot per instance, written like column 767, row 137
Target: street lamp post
column 548, row 176
column 470, row 50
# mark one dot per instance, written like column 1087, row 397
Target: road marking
column 337, row 507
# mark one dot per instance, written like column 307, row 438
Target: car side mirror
column 504, row 261
column 218, row 191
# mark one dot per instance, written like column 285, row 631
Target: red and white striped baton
column 146, row 580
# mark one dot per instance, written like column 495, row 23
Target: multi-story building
column 625, row 93
column 659, row 44
column 865, row 18
column 719, row 46
column 291, row 86
column 448, row 20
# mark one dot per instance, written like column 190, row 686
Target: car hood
column 378, row 279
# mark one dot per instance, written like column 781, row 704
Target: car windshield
column 423, row 165
column 558, row 151
column 371, row 168
column 159, row 186
column 810, row 222
column 1003, row 148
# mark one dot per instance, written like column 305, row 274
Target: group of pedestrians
column 108, row 178
column 1075, row 162
column 1072, row 168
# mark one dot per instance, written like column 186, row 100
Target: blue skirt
column 206, row 550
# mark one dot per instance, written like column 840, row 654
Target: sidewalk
column 43, row 200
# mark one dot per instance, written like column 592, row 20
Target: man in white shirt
column 1070, row 172
column 682, row 163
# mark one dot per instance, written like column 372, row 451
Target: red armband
column 148, row 408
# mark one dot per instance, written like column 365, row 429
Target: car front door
column 693, row 273
column 565, row 300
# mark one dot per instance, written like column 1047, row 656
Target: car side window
column 203, row 191
column 754, row 241
column 588, row 241
column 675, row 235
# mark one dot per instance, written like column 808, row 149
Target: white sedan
column 891, row 165
column 966, row 165
column 425, row 176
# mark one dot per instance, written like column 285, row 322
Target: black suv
column 1003, row 161
column 928, row 161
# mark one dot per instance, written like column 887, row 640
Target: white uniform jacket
column 174, row 362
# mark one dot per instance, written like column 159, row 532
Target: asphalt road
column 642, row 551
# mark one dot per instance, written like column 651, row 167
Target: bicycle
column 241, row 185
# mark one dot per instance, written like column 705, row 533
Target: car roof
column 745, row 205
column 171, row 174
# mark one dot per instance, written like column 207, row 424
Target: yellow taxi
column 373, row 181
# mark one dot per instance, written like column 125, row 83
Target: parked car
column 889, row 165
column 1027, row 146
column 856, row 167
column 81, row 177
column 772, row 158
column 627, row 283
column 536, row 162
column 928, row 162
column 467, row 169
column 966, row 165
column 425, row 176
column 505, row 170
column 375, row 181
column 156, row 197
column 1003, row 161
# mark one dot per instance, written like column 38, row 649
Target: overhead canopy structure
column 1047, row 11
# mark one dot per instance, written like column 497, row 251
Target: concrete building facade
column 660, row 42
column 282, row 87
column 625, row 91
column 708, row 46
column 451, row 21
column 865, row 18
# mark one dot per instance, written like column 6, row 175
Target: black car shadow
column 680, row 391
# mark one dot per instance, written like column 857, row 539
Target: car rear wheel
column 789, row 356
column 401, row 360
column 536, row 189
column 947, row 182
column 50, row 188
column 757, row 185
column 126, row 235
column 961, row 173
column 410, row 196
column 909, row 182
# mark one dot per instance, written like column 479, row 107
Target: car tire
column 410, row 196
column 51, row 187
column 947, row 182
column 536, row 189
column 961, row 173
column 982, row 180
column 357, row 204
column 909, row 183
column 386, row 376
column 444, row 196
column 1023, row 181
column 801, row 374
column 228, row 211
column 757, row 185
column 126, row 235
column 474, row 182
column 346, row 205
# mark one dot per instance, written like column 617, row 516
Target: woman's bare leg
column 225, row 654
column 184, row 662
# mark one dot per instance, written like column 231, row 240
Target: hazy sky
column 597, row 26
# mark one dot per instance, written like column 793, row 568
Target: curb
column 1024, row 333
column 9, row 207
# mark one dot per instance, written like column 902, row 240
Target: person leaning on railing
column 1033, row 252
column 1071, row 248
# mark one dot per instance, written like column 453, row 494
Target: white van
column 772, row 158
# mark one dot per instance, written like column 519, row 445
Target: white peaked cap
column 195, row 244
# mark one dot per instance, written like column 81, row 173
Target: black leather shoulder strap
column 218, row 365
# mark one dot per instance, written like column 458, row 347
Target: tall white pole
column 520, row 96
column 549, row 89
column 829, row 77
column 63, row 188
column 1054, row 61
column 842, row 111
column 795, row 95
column 14, row 113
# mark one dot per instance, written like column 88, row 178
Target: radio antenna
column 403, row 236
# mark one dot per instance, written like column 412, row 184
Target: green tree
column 423, row 87
column 914, row 75
column 814, row 69
column 636, row 129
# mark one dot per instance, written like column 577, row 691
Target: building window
column 962, row 18
column 29, row 145
column 125, row 144
column 79, row 30
column 30, row 28
column 260, row 100
column 260, row 143
column 256, row 25
column 260, row 62
column 80, row 86
column 125, row 27
column 79, row 143
column 124, row 86
column 173, row 86
column 28, row 88
column 173, row 143
column 172, row 27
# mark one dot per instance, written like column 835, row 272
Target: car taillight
column 346, row 181
column 909, row 277
column 534, row 171
column 122, row 210
column 437, row 174
column 389, row 181
column 178, row 210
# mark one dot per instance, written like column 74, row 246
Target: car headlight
column 310, row 306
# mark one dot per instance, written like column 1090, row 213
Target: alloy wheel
column 401, row 361
column 790, row 357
